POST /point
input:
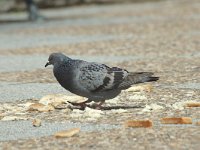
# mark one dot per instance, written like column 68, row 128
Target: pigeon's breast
column 64, row 77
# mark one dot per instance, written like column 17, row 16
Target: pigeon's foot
column 82, row 105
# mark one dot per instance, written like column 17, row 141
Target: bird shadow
column 120, row 107
column 93, row 106
column 107, row 107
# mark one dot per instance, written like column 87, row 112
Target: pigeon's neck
column 68, row 62
column 64, row 73
column 63, row 68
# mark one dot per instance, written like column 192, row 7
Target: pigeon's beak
column 47, row 64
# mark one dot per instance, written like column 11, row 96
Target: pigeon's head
column 56, row 58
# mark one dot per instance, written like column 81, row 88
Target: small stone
column 138, row 123
column 182, row 120
column 58, row 99
column 36, row 122
column 67, row 133
column 25, row 105
column 53, row 100
column 36, row 106
column 40, row 107
column 198, row 123
column 192, row 104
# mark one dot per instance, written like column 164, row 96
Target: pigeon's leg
column 82, row 105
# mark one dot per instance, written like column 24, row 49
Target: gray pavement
column 11, row 92
column 12, row 130
column 28, row 41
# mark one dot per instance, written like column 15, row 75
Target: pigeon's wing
column 99, row 77
column 137, row 77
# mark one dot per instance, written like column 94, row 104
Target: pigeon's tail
column 137, row 77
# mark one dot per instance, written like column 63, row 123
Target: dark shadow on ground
column 106, row 107
column 120, row 107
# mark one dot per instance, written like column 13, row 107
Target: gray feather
column 137, row 77
column 93, row 80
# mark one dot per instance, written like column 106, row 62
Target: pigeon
column 95, row 81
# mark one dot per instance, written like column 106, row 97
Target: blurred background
column 140, row 35
column 20, row 4
column 161, row 36
column 32, row 6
